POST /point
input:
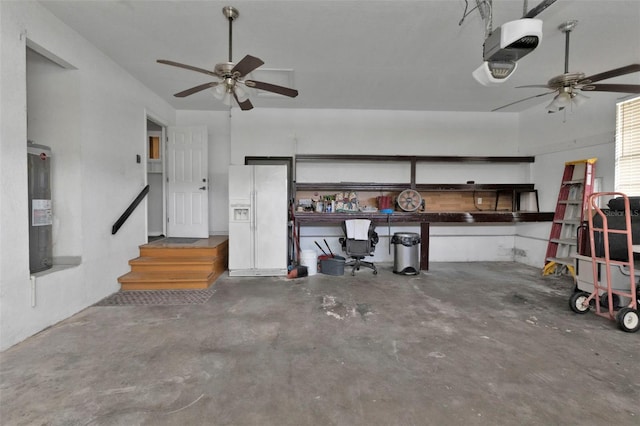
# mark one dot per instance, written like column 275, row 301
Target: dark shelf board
column 351, row 186
column 427, row 217
column 425, row 187
column 412, row 158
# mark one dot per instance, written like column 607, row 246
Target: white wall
column 95, row 126
column 308, row 131
column 588, row 132
column 280, row 132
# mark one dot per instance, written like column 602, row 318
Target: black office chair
column 357, row 247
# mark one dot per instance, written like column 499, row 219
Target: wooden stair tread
column 165, row 276
column 180, row 252
column 162, row 266
column 173, row 259
column 214, row 241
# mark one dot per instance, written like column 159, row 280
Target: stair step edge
column 164, row 277
column 173, row 259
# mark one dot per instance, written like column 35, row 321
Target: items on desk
column 305, row 205
column 343, row 202
column 368, row 209
column 384, row 202
column 346, row 202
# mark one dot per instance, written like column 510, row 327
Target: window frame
column 627, row 147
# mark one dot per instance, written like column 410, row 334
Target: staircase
column 167, row 265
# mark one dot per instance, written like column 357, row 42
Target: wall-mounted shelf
column 513, row 190
column 413, row 158
column 422, row 187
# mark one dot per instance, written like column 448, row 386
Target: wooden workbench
column 423, row 219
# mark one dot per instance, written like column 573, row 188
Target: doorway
column 155, row 148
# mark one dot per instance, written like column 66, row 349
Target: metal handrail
column 122, row 219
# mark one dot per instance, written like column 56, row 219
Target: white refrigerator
column 258, row 228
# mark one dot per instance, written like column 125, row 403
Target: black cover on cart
column 617, row 242
column 617, row 204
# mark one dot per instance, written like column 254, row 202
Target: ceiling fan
column 231, row 83
column 568, row 86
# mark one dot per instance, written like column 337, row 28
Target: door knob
column 202, row 188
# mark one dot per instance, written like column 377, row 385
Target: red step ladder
column 573, row 201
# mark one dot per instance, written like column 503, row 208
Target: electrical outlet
column 479, row 200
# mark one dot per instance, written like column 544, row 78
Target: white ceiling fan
column 567, row 86
column 231, row 83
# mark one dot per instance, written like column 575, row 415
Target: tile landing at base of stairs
column 461, row 344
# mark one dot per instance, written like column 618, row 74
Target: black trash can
column 406, row 256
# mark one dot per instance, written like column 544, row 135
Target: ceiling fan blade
column 622, row 88
column 611, row 73
column 244, row 106
column 188, row 67
column 195, row 89
column 539, row 8
column 246, row 65
column 292, row 93
column 522, row 100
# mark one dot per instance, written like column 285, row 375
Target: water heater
column 40, row 211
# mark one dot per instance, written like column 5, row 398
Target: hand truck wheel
column 628, row 320
column 576, row 302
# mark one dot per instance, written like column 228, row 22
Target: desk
column 636, row 248
column 424, row 219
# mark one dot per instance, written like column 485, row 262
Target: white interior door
column 187, row 182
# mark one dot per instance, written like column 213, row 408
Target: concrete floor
column 464, row 344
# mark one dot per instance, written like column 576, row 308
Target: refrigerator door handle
column 255, row 210
column 254, row 203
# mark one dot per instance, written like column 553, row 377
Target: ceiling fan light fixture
column 562, row 100
column 223, row 96
column 553, row 106
column 241, row 93
column 219, row 91
column 227, row 100
column 578, row 99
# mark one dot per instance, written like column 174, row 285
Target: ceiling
column 392, row 55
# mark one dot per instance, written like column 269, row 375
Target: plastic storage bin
column 309, row 258
column 332, row 266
